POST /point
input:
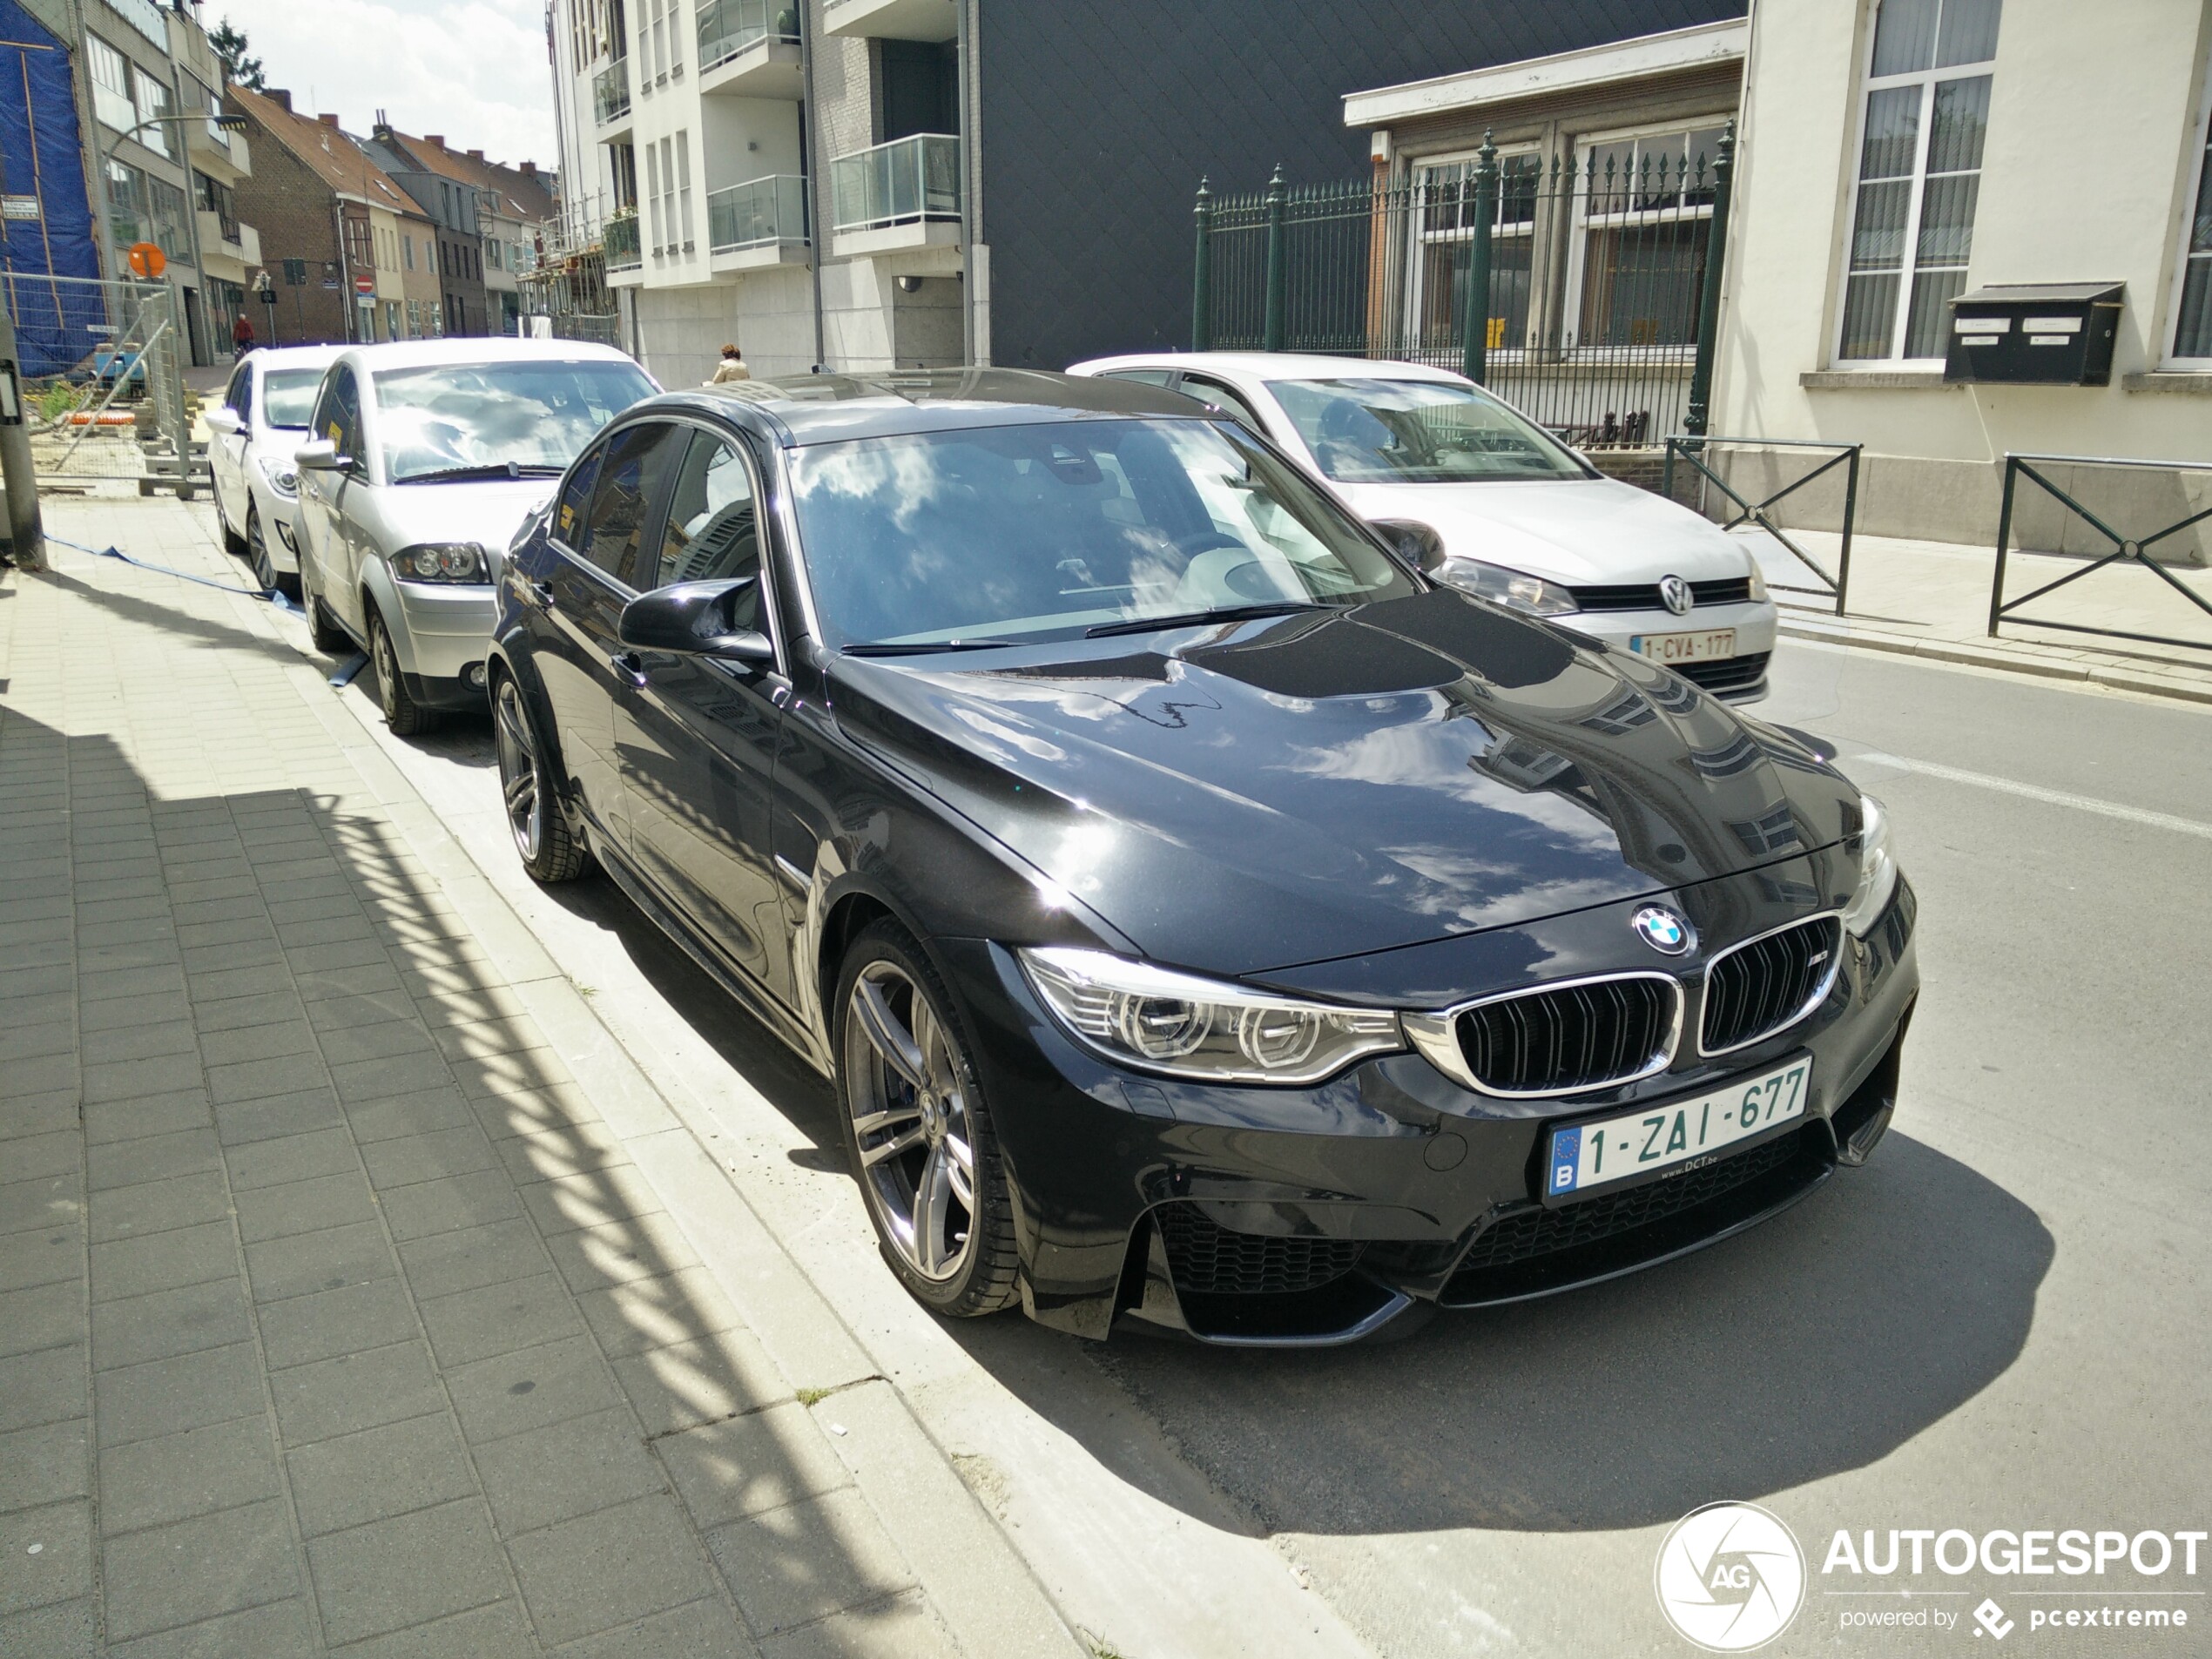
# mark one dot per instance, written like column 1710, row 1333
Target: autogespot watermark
column 1730, row 1577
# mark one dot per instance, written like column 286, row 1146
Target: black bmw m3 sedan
column 1207, row 921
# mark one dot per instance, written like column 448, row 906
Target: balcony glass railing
column 619, row 241
column 610, row 91
column 728, row 27
column 904, row 181
column 757, row 213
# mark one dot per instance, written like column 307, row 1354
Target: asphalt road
column 1998, row 1323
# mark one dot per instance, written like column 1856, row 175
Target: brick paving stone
column 392, row 1574
column 128, row 1267
column 167, row 1396
column 494, row 1319
column 46, row 1464
column 584, row 1575
column 46, row 1386
column 219, row 1466
column 499, row 1631
column 286, row 1158
column 196, row 1569
column 469, row 1256
column 133, row 1330
column 807, row 1560
column 747, row 1465
column 531, row 1387
column 701, row 1629
column 131, row 1119
column 323, row 1326
column 566, row 1469
column 61, row 1568
column 279, row 1630
column 158, row 1206
column 391, row 1470
column 46, row 1316
column 355, row 1390
column 44, row 1257
column 304, row 1206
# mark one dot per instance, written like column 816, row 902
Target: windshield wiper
column 1191, row 618
column 927, row 647
column 489, row 470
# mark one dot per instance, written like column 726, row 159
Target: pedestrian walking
column 731, row 368
column 241, row 337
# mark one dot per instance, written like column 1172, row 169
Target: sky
column 474, row 71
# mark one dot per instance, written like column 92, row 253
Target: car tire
column 257, row 549
column 233, row 543
column 323, row 631
column 403, row 713
column 906, row 1141
column 551, row 852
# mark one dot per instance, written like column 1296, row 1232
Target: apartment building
column 509, row 206
column 349, row 253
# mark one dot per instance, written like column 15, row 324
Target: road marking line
column 2053, row 797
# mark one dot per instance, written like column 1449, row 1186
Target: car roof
column 829, row 409
column 1274, row 366
column 479, row 348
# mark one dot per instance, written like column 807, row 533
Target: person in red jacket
column 241, row 337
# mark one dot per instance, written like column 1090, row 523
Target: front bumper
column 443, row 635
column 1316, row 1216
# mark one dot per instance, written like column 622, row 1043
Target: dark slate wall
column 1097, row 120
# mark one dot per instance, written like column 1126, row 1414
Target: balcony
column 892, row 19
column 226, row 247
column 759, row 223
column 620, row 243
column 611, row 92
column 903, row 194
column 750, row 49
column 205, row 142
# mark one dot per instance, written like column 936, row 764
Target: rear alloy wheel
column 403, row 713
column 257, row 549
column 550, row 852
column 918, row 1131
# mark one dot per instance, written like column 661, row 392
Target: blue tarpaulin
column 45, row 220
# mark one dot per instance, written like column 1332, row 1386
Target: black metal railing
column 2124, row 548
column 1586, row 290
column 1835, row 585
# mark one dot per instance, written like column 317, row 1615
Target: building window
column 153, row 100
column 111, row 85
column 652, row 198
column 406, row 252
column 683, row 186
column 170, row 211
column 1444, row 229
column 2193, row 316
column 217, row 199
column 126, row 204
column 1643, row 207
column 1919, row 172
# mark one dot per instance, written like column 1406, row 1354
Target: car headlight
column 1156, row 1019
column 441, row 562
column 1759, row 584
column 283, row 477
column 1514, row 589
column 1877, row 869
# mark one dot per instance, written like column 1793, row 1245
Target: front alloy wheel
column 550, row 852
column 402, row 712
column 920, row 1137
column 257, row 548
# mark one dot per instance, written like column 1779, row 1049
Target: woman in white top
column 731, row 368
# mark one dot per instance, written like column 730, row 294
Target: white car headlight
column 1514, row 589
column 1877, row 869
column 442, row 562
column 1156, row 1019
column 282, row 476
column 1758, row 582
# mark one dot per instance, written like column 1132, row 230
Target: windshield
column 941, row 538
column 1418, row 432
column 288, row 396
column 530, row 416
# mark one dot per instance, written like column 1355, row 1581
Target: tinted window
column 637, row 464
column 1142, row 376
column 238, row 395
column 1417, row 432
column 1032, row 531
column 529, row 415
column 712, row 534
column 337, row 413
column 573, row 512
column 287, row 395
column 1222, row 398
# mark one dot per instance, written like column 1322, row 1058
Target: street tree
column 230, row 44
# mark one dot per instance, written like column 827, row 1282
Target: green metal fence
column 1586, row 289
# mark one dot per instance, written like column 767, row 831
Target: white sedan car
column 1486, row 500
column 261, row 419
column 423, row 460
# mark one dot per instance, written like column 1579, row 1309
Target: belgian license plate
column 1587, row 1156
column 1713, row 644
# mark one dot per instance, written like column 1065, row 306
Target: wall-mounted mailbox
column 2035, row 334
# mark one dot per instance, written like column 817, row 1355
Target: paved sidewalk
column 1931, row 599
column 334, row 1313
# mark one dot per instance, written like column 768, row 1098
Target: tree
column 230, row 45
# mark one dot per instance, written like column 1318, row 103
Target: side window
column 239, row 396
column 337, row 413
column 574, row 510
column 637, row 464
column 713, row 533
column 1222, row 398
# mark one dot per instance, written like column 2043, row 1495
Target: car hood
column 488, row 512
column 1580, row 532
column 1257, row 795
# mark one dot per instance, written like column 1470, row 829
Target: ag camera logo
column 1730, row 1577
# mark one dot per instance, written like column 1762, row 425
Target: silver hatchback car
column 423, row 460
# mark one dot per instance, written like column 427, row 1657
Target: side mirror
column 696, row 619
column 321, row 455
column 226, row 420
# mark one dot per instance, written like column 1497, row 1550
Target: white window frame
column 674, row 62
column 684, row 183
column 1426, row 173
column 2200, row 138
column 1908, row 267
column 110, row 98
column 654, row 240
column 1582, row 222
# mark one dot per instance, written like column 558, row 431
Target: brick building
column 367, row 254
column 510, row 204
column 459, row 211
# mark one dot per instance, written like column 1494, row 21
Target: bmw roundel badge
column 1665, row 931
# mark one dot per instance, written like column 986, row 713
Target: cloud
column 476, row 73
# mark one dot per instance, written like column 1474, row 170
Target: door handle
column 629, row 666
column 542, row 591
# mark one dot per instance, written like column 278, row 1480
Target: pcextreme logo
column 1730, row 1577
